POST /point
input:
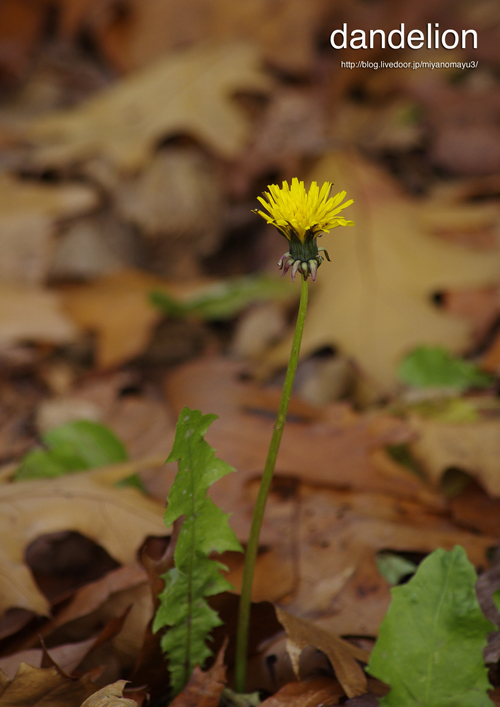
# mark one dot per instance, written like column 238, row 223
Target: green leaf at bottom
column 430, row 647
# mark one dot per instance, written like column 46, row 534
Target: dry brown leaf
column 110, row 696
column 20, row 25
column 176, row 202
column 188, row 92
column 119, row 519
column 67, row 657
column 117, row 308
column 204, row 687
column 342, row 654
column 29, row 212
column 333, row 445
column 473, row 447
column 327, row 540
column 94, row 594
column 286, row 32
column 322, row 691
column 43, row 686
column 319, row 544
column 374, row 300
column 33, row 314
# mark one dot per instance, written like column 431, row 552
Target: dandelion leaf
column 434, row 366
column 74, row 446
column 205, row 529
column 430, row 647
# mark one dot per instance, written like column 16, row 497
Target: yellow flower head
column 301, row 217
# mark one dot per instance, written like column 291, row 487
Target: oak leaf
column 188, row 92
column 473, row 447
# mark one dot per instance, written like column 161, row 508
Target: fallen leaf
column 474, row 508
column 331, row 445
column 473, row 447
column 374, row 300
column 286, row 33
column 328, row 541
column 322, row 691
column 66, row 656
column 188, row 92
column 21, row 24
column 30, row 313
column 95, row 594
column 176, row 203
column 110, row 696
column 117, row 308
column 119, row 519
column 43, row 686
column 204, row 687
column 29, row 212
column 342, row 654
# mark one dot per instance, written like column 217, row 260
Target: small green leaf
column 435, row 367
column 224, row 300
column 74, row 446
column 394, row 567
column 205, row 530
column 430, row 646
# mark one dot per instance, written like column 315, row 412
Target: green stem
column 260, row 504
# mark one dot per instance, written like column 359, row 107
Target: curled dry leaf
column 110, row 696
column 342, row 654
column 188, row 92
column 374, row 300
column 118, row 519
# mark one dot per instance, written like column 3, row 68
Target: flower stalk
column 260, row 504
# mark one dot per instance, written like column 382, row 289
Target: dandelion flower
column 302, row 217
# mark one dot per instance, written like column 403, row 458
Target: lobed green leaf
column 205, row 529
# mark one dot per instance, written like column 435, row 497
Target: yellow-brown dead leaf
column 29, row 212
column 119, row 519
column 43, row 686
column 473, row 447
column 110, row 696
column 118, row 309
column 188, row 92
column 29, row 313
